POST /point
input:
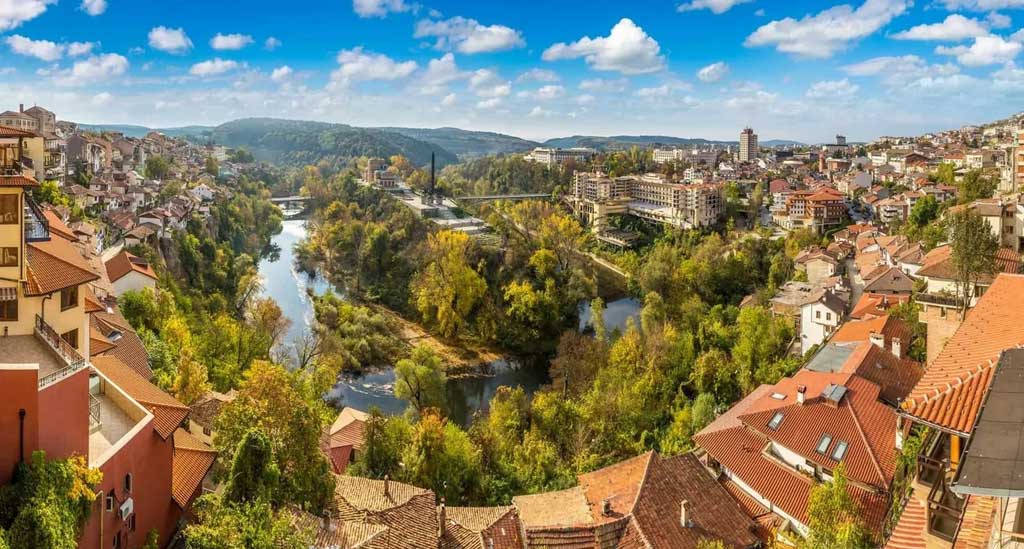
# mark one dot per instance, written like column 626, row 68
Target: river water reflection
column 465, row 395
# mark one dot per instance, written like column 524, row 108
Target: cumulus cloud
column 982, row 5
column 664, row 90
column 379, row 8
column 271, row 44
column 102, row 98
column 823, row 34
column 997, row 20
column 627, row 49
column 230, row 41
column 604, row 85
column 94, row 7
column 448, row 100
column 96, row 68
column 15, row 12
column 76, row 49
column 357, row 65
column 986, row 50
column 438, row 74
column 713, row 72
column 954, row 28
column 489, row 103
column 538, row 75
column 468, row 35
column 538, row 112
column 832, row 89
column 44, row 50
column 488, row 83
column 281, row 73
column 544, row 93
column 169, row 40
column 213, row 67
column 900, row 70
column 716, row 6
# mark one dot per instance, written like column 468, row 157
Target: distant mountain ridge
column 616, row 142
column 131, row 130
column 467, row 142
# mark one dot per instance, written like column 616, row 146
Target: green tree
column 211, row 166
column 440, row 456
column 253, row 473
column 973, row 252
column 384, row 438
column 975, row 186
column 192, row 381
column 250, row 525
column 597, row 318
column 946, row 173
column 833, row 517
column 420, row 379
column 448, row 289
column 157, row 167
column 925, row 210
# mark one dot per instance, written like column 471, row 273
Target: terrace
column 113, row 416
column 55, row 357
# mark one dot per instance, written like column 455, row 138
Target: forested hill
column 466, row 142
column 302, row 143
column 625, row 141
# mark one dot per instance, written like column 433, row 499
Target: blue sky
column 795, row 69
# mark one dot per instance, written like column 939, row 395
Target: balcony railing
column 37, row 228
column 94, row 410
column 939, row 299
column 71, row 358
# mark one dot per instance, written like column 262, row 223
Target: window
column 71, row 337
column 128, row 482
column 9, row 310
column 131, row 522
column 110, row 502
column 817, row 314
column 69, row 298
column 207, row 431
column 828, row 316
column 822, row 448
column 839, row 452
column 10, row 211
column 776, row 421
column 9, row 256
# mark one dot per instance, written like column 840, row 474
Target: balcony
column 64, row 359
column 113, row 415
column 37, row 228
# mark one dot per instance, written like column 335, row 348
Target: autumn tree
column 420, row 378
column 440, row 456
column 192, row 381
column 973, row 252
column 251, row 525
column 833, row 517
column 253, row 473
column 384, row 438
column 448, row 288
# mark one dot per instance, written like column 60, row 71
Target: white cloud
column 40, row 49
column 213, row 67
column 281, row 73
column 716, row 6
column 15, row 12
column 356, row 65
column 604, row 85
column 954, row 28
column 230, row 41
column 76, row 49
column 998, row 21
column 544, row 93
column 438, row 74
column 489, row 103
column 448, row 100
column 538, row 112
column 468, row 35
column 898, row 71
column 97, row 68
column 488, row 83
column 539, row 75
column 627, row 49
column 1009, row 77
column 271, row 44
column 102, row 98
column 378, row 8
column 832, row 89
column 664, row 90
column 169, row 40
column 760, row 12
column 982, row 5
column 94, row 7
column 585, row 99
column 1018, row 36
column 713, row 72
column 823, row 34
column 986, row 50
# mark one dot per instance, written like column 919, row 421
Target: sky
column 796, row 69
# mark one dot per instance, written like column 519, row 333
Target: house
column 819, row 318
column 939, row 272
column 888, row 280
column 345, row 438
column 875, row 305
column 128, row 272
column 781, row 440
column 205, row 411
column 818, row 264
column 648, row 501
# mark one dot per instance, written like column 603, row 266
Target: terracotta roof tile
column 951, row 390
column 124, row 263
column 481, row 528
column 895, row 376
column 128, row 348
column 911, row 530
column 192, row 461
column 17, row 181
column 875, row 305
column 54, row 265
column 552, row 509
column 168, row 413
column 407, row 512
column 976, row 524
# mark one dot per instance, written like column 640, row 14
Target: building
column 67, row 386
column 748, row 145
column 551, row 156
column 818, row 210
column 1018, row 161
column 130, row 273
column 344, row 438
column 651, row 197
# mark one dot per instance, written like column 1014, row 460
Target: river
column 465, row 395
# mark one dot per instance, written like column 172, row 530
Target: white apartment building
column 550, row 156
column 748, row 145
column 668, row 155
column 650, row 196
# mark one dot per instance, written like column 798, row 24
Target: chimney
column 606, row 507
column 801, row 394
column 21, row 107
column 441, row 519
column 387, row 493
column 877, row 339
column 684, row 515
column 897, row 347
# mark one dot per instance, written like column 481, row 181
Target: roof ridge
column 867, row 443
column 643, row 480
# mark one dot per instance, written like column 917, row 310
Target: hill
column 141, row 131
column 626, row 141
column 300, row 143
column 466, row 143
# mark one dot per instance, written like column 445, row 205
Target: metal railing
column 73, row 360
column 94, row 409
column 939, row 299
column 37, row 228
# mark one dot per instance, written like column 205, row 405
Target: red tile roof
column 54, row 265
column 124, row 263
column 875, row 305
column 951, row 390
column 912, row 529
column 856, row 331
column 895, row 376
column 192, row 461
column 17, row 181
column 128, row 348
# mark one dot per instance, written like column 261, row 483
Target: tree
column 192, row 381
column 597, row 318
column 211, row 166
column 157, row 167
column 925, row 210
column 420, row 379
column 946, row 174
column 440, row 456
column 448, row 288
column 383, row 440
column 252, row 525
column 975, row 186
column 833, row 517
column 973, row 253
column 253, row 472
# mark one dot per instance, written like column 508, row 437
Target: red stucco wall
column 64, row 416
column 18, row 390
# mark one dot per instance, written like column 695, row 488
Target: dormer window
column 823, row 444
column 776, row 421
column 840, row 451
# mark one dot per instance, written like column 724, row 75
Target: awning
column 8, row 294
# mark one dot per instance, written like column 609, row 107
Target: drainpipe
column 101, row 496
column 21, row 435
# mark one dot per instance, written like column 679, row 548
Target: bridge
column 289, row 199
column 492, row 197
column 291, row 205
